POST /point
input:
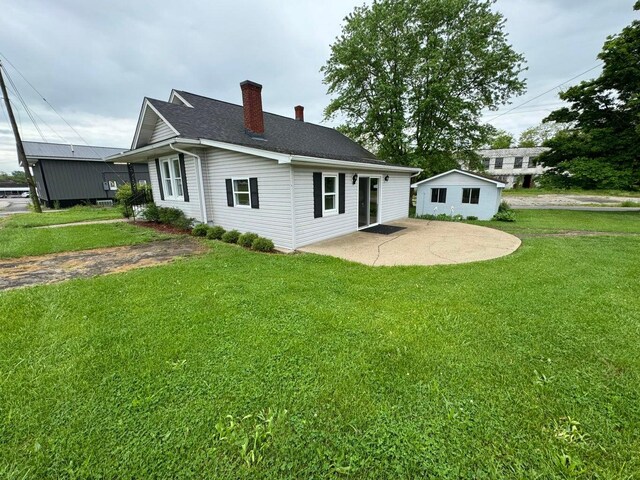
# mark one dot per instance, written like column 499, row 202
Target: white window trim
column 233, row 189
column 174, row 179
column 333, row 211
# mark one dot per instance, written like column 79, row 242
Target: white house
column 458, row 192
column 516, row 167
column 283, row 178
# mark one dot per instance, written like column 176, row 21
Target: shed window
column 113, row 185
column 471, row 195
column 533, row 162
column 172, row 179
column 498, row 164
column 241, row 192
column 486, row 162
column 438, row 195
column 330, row 194
column 517, row 163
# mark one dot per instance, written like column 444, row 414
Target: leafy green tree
column 538, row 135
column 410, row 78
column 500, row 139
column 603, row 150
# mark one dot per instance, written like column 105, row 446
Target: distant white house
column 516, row 167
column 458, row 192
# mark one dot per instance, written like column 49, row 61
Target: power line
column 23, row 103
column 544, row 93
column 117, row 174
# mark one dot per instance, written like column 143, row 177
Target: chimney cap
column 249, row 83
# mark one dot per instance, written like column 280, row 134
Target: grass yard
column 244, row 365
column 572, row 191
column 532, row 222
column 19, row 237
column 69, row 215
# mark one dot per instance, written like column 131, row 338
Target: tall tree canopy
column 410, row 78
column 603, row 148
column 538, row 135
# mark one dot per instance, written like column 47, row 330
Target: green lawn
column 558, row 221
column 19, row 242
column 19, row 238
column 572, row 191
column 70, row 215
column 521, row 367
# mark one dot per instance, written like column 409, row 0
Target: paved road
column 9, row 206
column 586, row 209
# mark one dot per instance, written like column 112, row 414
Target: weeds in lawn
column 250, row 435
column 568, row 430
column 569, row 467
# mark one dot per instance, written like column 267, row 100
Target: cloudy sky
column 95, row 61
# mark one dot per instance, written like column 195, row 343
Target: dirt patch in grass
column 26, row 271
column 160, row 227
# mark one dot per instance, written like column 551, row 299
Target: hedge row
column 247, row 240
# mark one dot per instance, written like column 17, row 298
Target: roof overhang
column 147, row 120
column 461, row 172
column 143, row 154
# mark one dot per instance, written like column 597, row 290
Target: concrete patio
column 422, row 242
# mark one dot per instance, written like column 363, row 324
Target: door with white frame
column 368, row 201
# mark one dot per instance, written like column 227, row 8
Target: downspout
column 293, row 206
column 203, row 206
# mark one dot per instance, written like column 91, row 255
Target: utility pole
column 22, row 157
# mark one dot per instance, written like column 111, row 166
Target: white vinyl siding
column 489, row 196
column 393, row 203
column 161, row 132
column 394, row 196
column 273, row 218
column 191, row 208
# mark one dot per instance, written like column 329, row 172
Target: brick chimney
column 299, row 112
column 252, row 105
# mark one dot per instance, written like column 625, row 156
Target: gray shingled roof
column 64, row 151
column 224, row 122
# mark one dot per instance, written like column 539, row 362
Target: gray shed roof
column 64, row 151
column 216, row 120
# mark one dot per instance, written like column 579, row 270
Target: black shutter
column 159, row 179
column 183, row 176
column 317, row 194
column 229, row 192
column 341, row 190
column 255, row 199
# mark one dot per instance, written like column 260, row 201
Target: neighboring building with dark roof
column 458, row 192
column 68, row 175
column 240, row 167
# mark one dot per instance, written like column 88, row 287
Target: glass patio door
column 368, row 198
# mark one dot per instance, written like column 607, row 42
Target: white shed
column 458, row 192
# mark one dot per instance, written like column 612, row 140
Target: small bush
column 215, row 233
column 151, row 213
column 507, row 216
column 246, row 239
column 472, row 217
column 200, row 230
column 175, row 217
column 262, row 244
column 231, row 236
column 504, row 207
column 630, row 203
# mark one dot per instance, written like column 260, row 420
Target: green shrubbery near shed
column 505, row 213
column 167, row 216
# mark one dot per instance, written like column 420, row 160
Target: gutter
column 203, row 206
